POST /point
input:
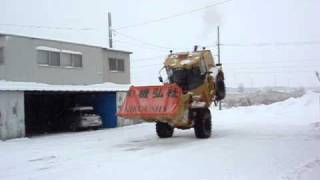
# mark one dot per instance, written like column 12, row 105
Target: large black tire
column 164, row 130
column 220, row 88
column 202, row 123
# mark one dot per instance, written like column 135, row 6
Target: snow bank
column 259, row 97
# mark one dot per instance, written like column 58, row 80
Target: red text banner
column 149, row 101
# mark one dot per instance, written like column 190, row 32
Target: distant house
column 40, row 79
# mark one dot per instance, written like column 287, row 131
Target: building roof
column 33, row 86
column 54, row 40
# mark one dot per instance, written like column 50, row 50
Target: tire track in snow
column 298, row 172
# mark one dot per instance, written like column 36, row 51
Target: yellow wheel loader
column 193, row 82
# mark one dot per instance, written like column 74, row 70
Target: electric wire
column 263, row 44
column 172, row 16
column 48, row 27
column 140, row 41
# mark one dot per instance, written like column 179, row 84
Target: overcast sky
column 266, row 43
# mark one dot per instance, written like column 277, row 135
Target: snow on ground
column 278, row 141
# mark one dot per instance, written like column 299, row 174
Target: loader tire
column 164, row 130
column 202, row 123
column 221, row 88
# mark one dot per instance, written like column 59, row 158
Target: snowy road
column 279, row 141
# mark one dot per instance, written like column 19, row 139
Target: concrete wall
column 21, row 63
column 116, row 77
column 12, row 124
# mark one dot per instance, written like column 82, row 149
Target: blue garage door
column 105, row 106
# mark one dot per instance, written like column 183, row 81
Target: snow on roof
column 33, row 86
column 63, row 41
column 46, row 48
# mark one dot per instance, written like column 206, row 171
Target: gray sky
column 267, row 43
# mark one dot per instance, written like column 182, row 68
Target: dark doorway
column 43, row 111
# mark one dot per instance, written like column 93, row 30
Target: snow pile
column 259, row 97
column 265, row 142
column 316, row 125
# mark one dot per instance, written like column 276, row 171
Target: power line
column 263, row 44
column 48, row 27
column 296, row 61
column 273, row 72
column 140, row 41
column 311, row 71
column 150, row 65
column 149, row 58
column 227, row 63
column 173, row 16
column 289, row 67
column 139, row 45
column 273, row 67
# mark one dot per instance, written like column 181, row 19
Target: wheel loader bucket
column 152, row 102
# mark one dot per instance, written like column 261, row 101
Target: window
column 43, row 57
column 76, row 60
column 48, row 58
column 71, row 60
column 187, row 79
column 203, row 67
column 1, row 55
column 66, row 60
column 62, row 59
column 116, row 64
column 120, row 64
column 112, row 64
column 54, row 59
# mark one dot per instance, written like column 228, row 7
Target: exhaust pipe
column 195, row 48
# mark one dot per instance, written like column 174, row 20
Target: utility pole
column 218, row 43
column 318, row 77
column 218, row 46
column 110, row 29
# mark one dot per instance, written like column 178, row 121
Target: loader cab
column 188, row 69
column 187, row 79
